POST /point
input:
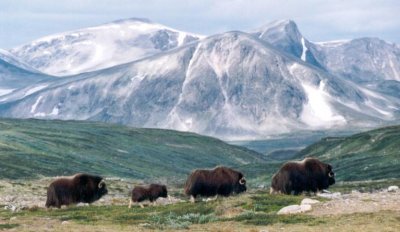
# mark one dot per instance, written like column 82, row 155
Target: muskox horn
column 331, row 174
column 242, row 181
column 101, row 184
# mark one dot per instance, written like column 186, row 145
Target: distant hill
column 33, row 148
column 369, row 155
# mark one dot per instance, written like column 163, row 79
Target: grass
column 33, row 148
column 8, row 226
column 370, row 155
column 255, row 210
column 255, row 207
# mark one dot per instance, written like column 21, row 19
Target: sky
column 22, row 21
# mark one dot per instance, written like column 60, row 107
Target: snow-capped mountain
column 229, row 85
column 285, row 36
column 361, row 60
column 100, row 47
column 11, row 59
column 15, row 74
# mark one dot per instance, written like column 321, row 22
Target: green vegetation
column 33, row 148
column 256, row 208
column 8, row 226
column 370, row 155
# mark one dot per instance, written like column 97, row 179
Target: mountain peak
column 102, row 46
column 285, row 25
column 130, row 20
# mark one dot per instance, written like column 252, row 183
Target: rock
column 393, row 188
column 329, row 195
column 12, row 208
column 64, row 222
column 308, row 201
column 294, row 209
column 355, row 192
column 80, row 204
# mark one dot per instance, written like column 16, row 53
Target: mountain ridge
column 232, row 85
column 102, row 46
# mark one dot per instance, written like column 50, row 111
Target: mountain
column 36, row 148
column 15, row 74
column 230, row 85
column 285, row 36
column 361, row 60
column 100, row 47
column 363, row 156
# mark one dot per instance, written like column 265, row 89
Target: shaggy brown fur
column 151, row 193
column 218, row 181
column 81, row 187
column 310, row 175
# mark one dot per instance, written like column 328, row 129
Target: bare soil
column 357, row 202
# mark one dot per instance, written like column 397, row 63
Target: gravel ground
column 357, row 202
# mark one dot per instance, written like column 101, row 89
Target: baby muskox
column 151, row 193
column 81, row 187
column 310, row 175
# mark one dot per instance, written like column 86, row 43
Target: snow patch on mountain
column 304, row 51
column 5, row 91
column 33, row 108
column 10, row 58
column 333, row 43
column 35, row 89
column 100, row 47
column 318, row 112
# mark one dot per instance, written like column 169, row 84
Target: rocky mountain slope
column 101, row 46
column 232, row 85
column 15, row 74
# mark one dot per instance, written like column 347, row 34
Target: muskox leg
column 192, row 199
column 141, row 205
column 169, row 199
column 154, row 203
column 130, row 203
column 272, row 191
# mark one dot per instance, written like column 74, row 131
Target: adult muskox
column 221, row 181
column 310, row 175
column 81, row 187
column 151, row 193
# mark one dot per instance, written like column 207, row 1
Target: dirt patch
column 357, row 202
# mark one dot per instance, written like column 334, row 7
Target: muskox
column 221, row 181
column 151, row 193
column 80, row 188
column 309, row 175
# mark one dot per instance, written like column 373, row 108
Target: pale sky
column 22, row 21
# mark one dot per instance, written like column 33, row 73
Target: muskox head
column 164, row 192
column 240, row 184
column 330, row 174
column 101, row 188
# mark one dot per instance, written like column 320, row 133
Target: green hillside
column 33, row 148
column 369, row 155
